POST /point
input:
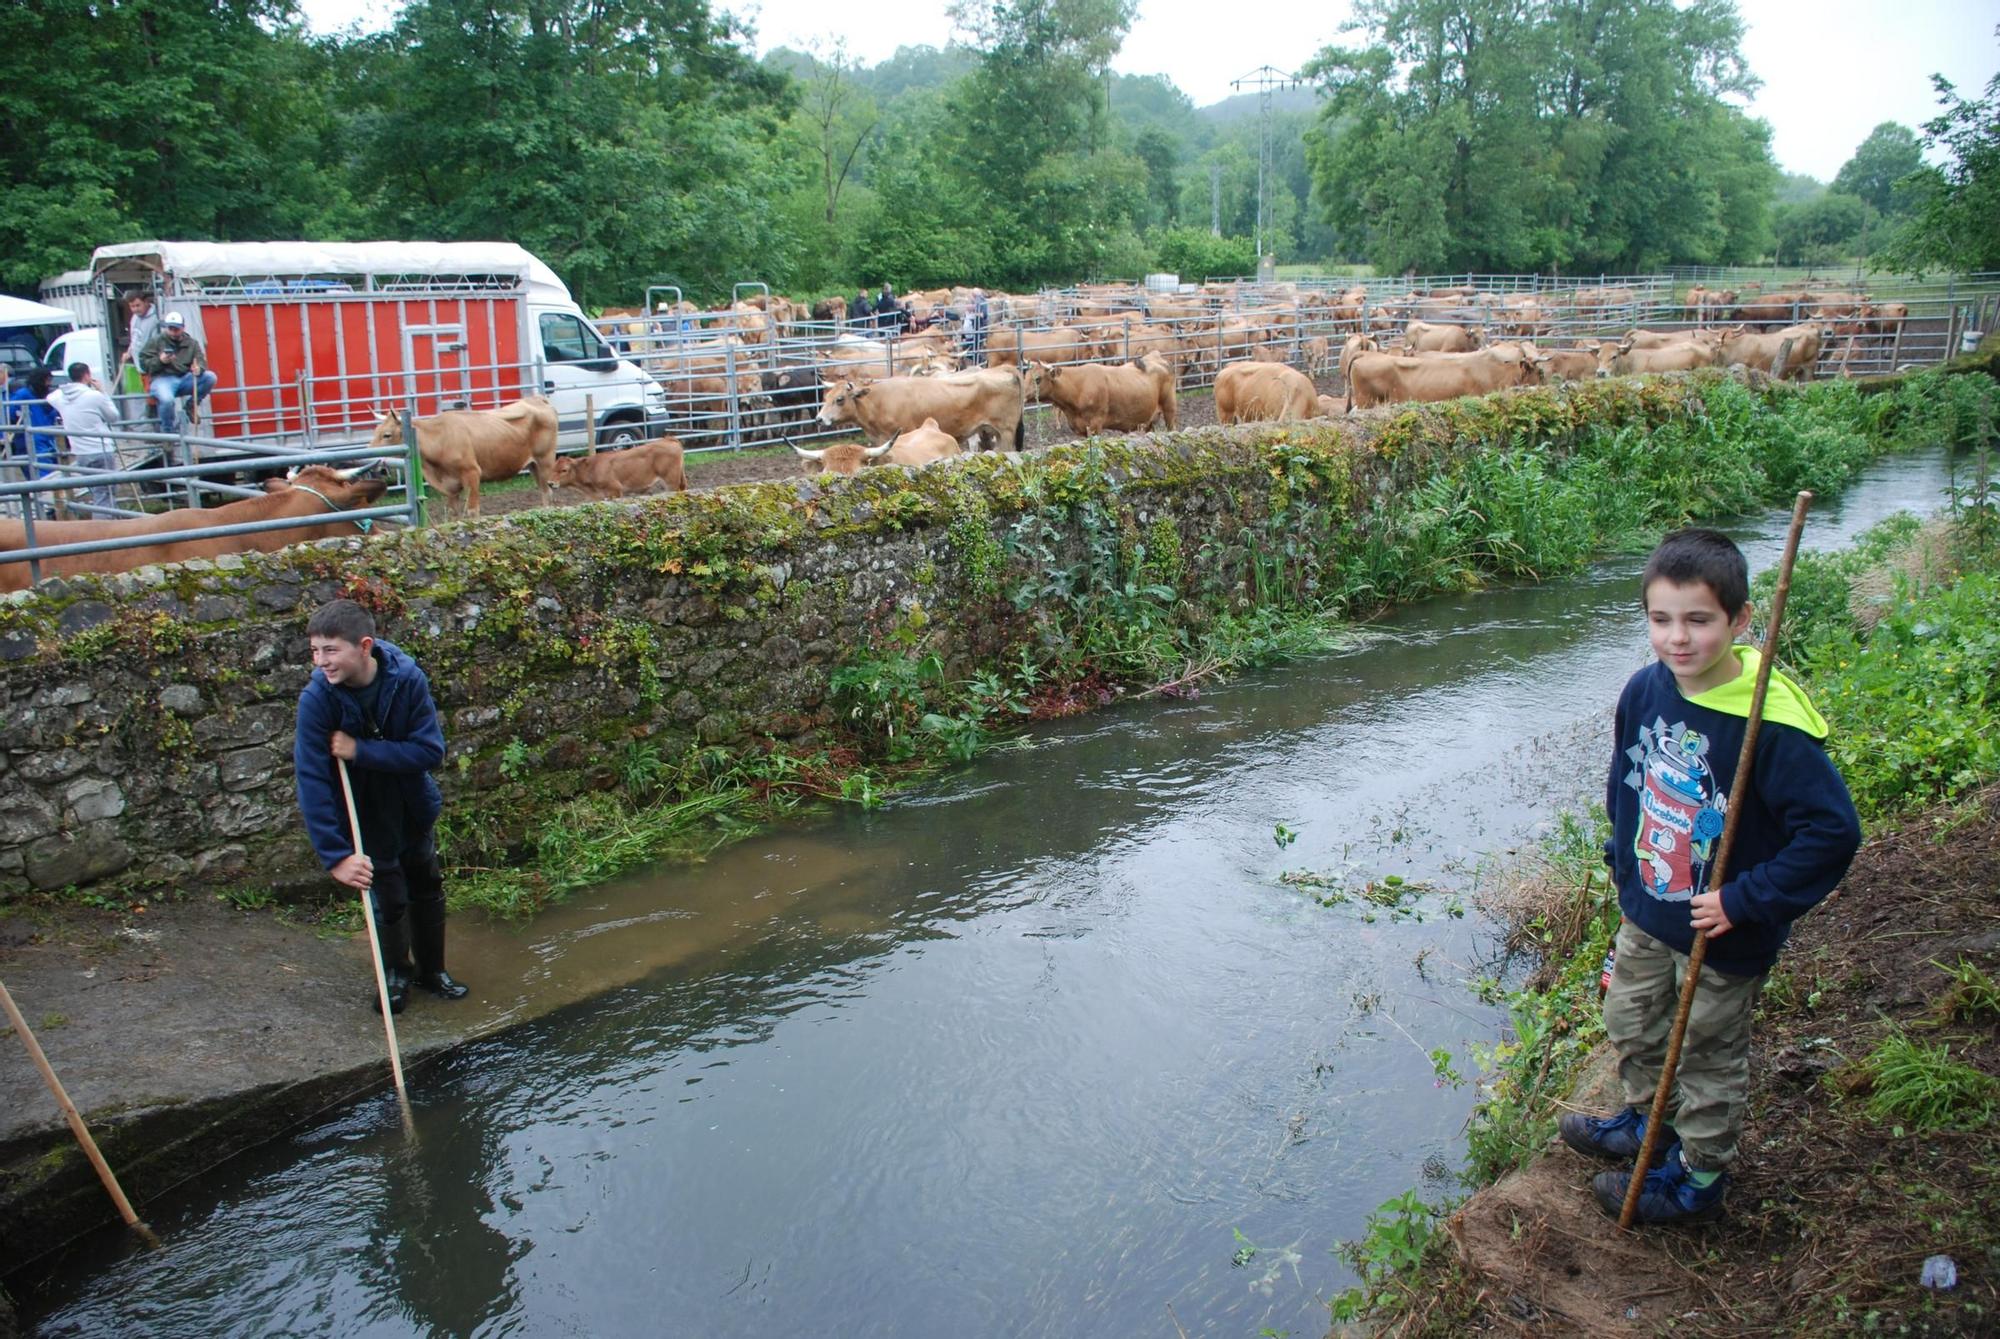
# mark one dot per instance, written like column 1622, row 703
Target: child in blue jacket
column 369, row 704
column 1677, row 737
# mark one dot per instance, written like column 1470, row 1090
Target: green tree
column 1954, row 218
column 620, row 140
column 1889, row 154
column 175, row 118
column 1820, row 231
column 1580, row 134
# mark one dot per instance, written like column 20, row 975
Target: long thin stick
column 75, row 1119
column 1718, row 868
column 375, row 953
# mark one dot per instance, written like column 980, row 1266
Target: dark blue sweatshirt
column 396, row 747
column 1673, row 776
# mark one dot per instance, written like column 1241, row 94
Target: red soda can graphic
column 1604, row 977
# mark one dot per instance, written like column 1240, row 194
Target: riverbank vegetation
column 1870, row 1144
column 1097, row 604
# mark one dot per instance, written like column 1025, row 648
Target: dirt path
column 1831, row 1212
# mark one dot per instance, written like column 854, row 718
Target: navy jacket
column 1673, row 777
column 394, row 755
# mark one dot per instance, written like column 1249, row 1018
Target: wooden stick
column 1718, row 867
column 75, row 1119
column 375, row 954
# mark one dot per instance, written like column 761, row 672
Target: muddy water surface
column 1044, row 1049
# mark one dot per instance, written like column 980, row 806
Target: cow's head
column 359, row 486
column 841, row 399
column 1041, row 378
column 388, row 430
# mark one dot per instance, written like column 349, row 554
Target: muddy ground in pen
column 1832, row 1212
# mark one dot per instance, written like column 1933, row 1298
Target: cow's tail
column 1020, row 434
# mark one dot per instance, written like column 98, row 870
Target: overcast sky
column 1832, row 69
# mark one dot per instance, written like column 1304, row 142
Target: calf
column 639, row 469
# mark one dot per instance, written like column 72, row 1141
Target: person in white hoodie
column 85, row 409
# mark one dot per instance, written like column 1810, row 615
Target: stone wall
column 148, row 716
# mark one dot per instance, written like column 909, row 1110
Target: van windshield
column 566, row 339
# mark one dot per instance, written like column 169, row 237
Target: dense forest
column 637, row 141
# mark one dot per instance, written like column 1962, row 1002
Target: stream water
column 1043, row 1049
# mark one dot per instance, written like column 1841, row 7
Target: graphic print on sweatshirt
column 1680, row 810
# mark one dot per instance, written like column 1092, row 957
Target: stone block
column 246, row 769
column 82, row 615
column 50, row 765
column 65, row 858
column 182, row 699
column 210, row 608
column 90, row 798
column 25, row 816
column 17, row 645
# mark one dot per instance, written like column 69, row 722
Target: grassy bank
column 1097, row 603
column 1877, row 1068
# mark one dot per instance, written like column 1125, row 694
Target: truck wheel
column 619, row 433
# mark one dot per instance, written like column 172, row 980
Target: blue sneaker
column 1613, row 1138
column 1669, row 1194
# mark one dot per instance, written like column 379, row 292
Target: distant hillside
column 1244, row 105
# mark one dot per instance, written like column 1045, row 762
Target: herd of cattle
column 1115, row 362
column 759, row 370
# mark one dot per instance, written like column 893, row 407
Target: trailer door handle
column 548, row 385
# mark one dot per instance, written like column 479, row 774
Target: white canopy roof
column 221, row 260
column 20, row 311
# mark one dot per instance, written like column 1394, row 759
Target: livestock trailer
column 312, row 340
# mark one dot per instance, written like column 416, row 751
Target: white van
column 313, row 340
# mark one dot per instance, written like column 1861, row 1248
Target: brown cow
column 1317, row 354
column 921, row 446
column 1660, row 339
column 462, row 448
column 1094, row 398
column 638, row 469
column 1332, row 406
column 315, row 490
column 1570, row 364
column 1624, row 359
column 1355, row 346
column 1786, row 354
column 965, row 404
column 1427, row 338
column 1251, row 392
column 1007, row 346
column 1383, row 378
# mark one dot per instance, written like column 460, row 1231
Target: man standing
column 84, row 408
column 369, row 705
column 144, row 324
column 173, row 360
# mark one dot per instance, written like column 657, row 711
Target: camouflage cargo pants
column 1712, row 1081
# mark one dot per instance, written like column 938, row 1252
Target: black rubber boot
column 395, row 965
column 428, row 932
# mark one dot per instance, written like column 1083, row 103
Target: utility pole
column 1215, row 199
column 1266, row 81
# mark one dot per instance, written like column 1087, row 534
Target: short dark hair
column 38, row 382
column 1706, row 556
column 79, row 371
column 343, row 619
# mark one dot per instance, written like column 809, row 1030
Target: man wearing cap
column 173, row 360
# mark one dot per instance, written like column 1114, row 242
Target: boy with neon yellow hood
column 1678, row 736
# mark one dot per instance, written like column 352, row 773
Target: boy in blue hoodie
column 1678, row 736
column 370, row 705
